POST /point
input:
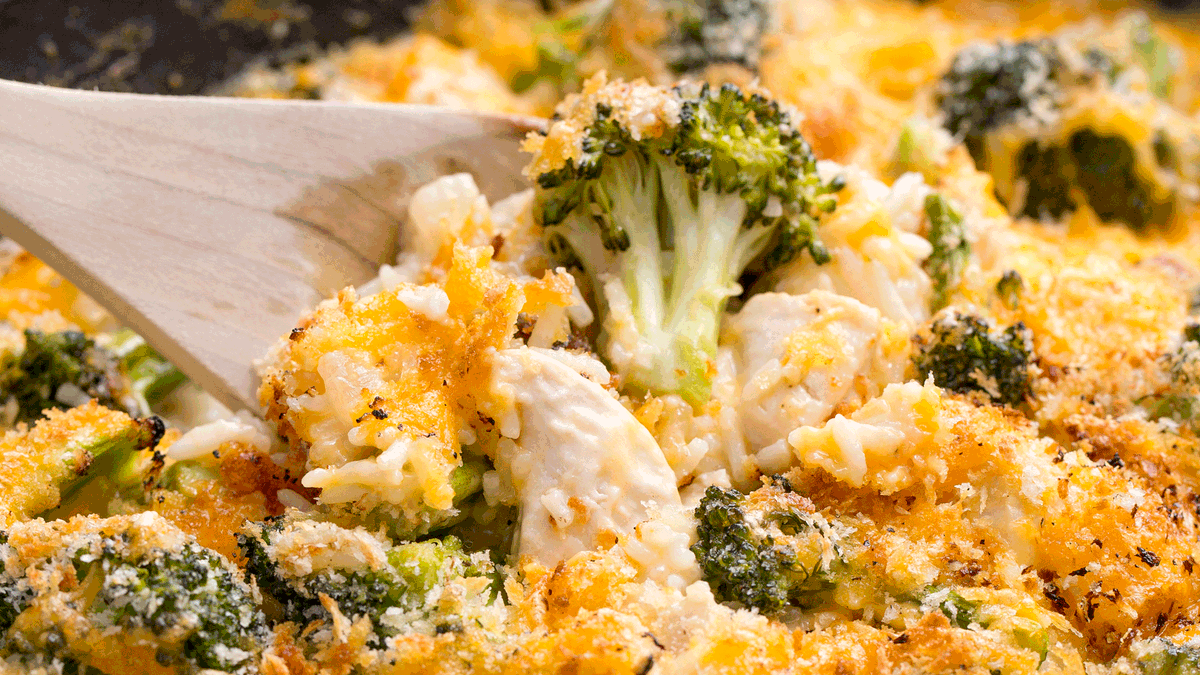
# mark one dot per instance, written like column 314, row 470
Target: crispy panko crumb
column 644, row 110
column 33, row 462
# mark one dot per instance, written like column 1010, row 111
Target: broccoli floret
column 664, row 218
column 65, row 369
column 60, row 370
column 297, row 561
column 963, row 353
column 1045, row 172
column 767, row 550
column 46, row 465
column 770, row 550
column 1009, row 288
column 951, row 251
column 96, row 590
column 992, row 85
column 1107, row 172
column 715, row 31
column 14, row 598
column 1029, row 113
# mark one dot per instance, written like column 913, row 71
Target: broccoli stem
column 711, row 247
column 53, row 462
column 678, row 273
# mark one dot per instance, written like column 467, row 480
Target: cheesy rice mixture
column 843, row 336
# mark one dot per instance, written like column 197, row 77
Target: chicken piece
column 584, row 471
column 801, row 357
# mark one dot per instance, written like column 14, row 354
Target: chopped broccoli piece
column 959, row 610
column 1162, row 656
column 665, row 219
column 297, row 561
column 59, row 371
column 96, row 591
column 770, row 550
column 467, row 482
column 562, row 41
column 715, row 31
column 922, row 147
column 151, row 377
column 1026, row 112
column 766, row 550
column 971, row 613
column 951, row 251
column 14, row 598
column 45, row 465
column 1009, row 288
column 1180, row 400
column 963, row 353
column 65, row 369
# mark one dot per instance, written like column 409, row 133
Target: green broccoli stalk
column 466, row 480
column 963, row 354
column 765, row 550
column 61, row 455
column 391, row 585
column 1156, row 56
column 665, row 224
column 951, row 251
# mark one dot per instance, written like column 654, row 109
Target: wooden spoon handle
column 209, row 225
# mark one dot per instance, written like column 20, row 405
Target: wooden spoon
column 209, row 225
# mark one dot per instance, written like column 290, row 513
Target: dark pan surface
column 175, row 46
column 188, row 46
